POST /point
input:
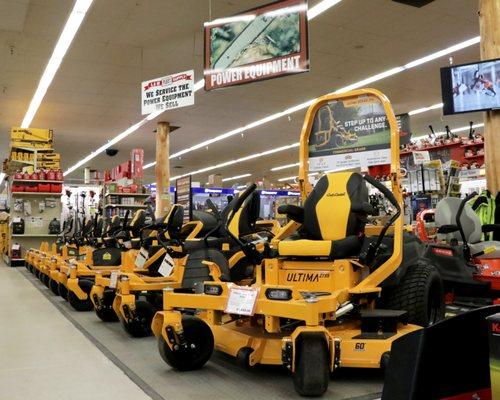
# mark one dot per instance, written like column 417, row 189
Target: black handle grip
column 385, row 191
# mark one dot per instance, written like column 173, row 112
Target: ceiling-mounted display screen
column 471, row 87
column 262, row 43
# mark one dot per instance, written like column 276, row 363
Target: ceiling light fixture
column 285, row 166
column 306, row 104
column 233, row 178
column 321, row 7
column 70, row 29
column 425, row 109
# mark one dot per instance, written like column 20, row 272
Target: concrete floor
column 139, row 359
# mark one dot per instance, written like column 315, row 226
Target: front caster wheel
column 82, row 305
column 140, row 325
column 195, row 349
column 312, row 365
column 54, row 286
column 106, row 314
column 62, row 290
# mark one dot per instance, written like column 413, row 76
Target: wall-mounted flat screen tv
column 471, row 87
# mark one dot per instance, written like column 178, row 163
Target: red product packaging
column 16, row 188
column 42, row 175
column 126, row 189
column 44, row 187
column 59, row 175
column 26, row 176
column 18, row 175
column 31, row 188
column 51, row 175
column 34, row 176
column 56, row 187
column 133, row 188
column 137, row 161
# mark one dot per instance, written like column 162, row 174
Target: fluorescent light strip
column 285, row 166
column 289, row 178
column 306, row 104
column 425, row 109
column 2, row 177
column 233, row 178
column 70, row 29
column 321, row 7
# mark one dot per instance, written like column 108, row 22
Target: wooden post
column 162, row 169
column 489, row 24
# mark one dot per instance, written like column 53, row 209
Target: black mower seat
column 332, row 219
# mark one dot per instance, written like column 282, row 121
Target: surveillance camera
column 111, row 152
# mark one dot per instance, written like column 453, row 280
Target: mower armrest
column 295, row 213
column 448, row 229
column 490, row 228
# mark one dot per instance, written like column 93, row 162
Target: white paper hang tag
column 241, row 300
column 141, row 258
column 167, row 266
column 16, row 246
column 127, row 244
column 113, row 279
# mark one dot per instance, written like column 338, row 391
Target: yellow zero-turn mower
column 78, row 276
column 313, row 304
column 150, row 256
column 139, row 294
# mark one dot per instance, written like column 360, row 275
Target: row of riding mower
column 468, row 265
column 172, row 259
column 328, row 291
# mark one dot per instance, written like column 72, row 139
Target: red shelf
column 444, row 146
column 473, row 145
column 475, row 156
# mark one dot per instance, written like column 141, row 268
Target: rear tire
column 199, row 346
column 141, row 325
column 76, row 303
column 312, row 365
column 45, row 279
column 420, row 293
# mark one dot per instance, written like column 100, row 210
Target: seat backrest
column 446, row 214
column 175, row 220
column 328, row 211
column 98, row 227
column 243, row 222
column 138, row 221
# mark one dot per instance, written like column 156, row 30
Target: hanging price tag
column 167, row 266
column 141, row 258
column 113, row 279
column 241, row 300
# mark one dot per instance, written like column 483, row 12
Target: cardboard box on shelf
column 31, row 135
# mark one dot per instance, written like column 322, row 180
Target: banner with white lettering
column 350, row 133
column 262, row 43
column 168, row 92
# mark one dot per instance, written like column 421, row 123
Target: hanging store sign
column 349, row 133
column 266, row 42
column 168, row 92
column 184, row 196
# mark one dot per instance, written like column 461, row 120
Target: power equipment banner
column 350, row 133
column 266, row 42
column 168, row 92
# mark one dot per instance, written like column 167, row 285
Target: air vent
column 414, row 3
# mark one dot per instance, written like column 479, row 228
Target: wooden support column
column 162, row 169
column 489, row 24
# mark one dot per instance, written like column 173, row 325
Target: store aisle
column 44, row 357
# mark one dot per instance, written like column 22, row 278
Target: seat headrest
column 175, row 220
column 139, row 219
column 446, row 214
column 328, row 210
column 243, row 222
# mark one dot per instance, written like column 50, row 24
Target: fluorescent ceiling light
column 233, row 178
column 74, row 21
column 289, row 178
column 236, row 18
column 425, row 109
column 321, row 7
column 241, row 187
column 301, row 106
column 285, row 166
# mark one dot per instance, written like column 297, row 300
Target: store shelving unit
column 114, row 202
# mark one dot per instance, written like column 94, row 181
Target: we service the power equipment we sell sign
column 168, row 92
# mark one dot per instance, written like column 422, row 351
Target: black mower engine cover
column 107, row 257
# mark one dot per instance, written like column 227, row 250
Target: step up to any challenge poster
column 168, row 92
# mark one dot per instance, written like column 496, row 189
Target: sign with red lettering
column 168, row 92
column 262, row 43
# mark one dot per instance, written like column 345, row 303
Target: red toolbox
column 44, row 187
column 56, row 187
column 16, row 188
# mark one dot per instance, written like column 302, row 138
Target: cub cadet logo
column 106, row 256
column 495, row 328
column 306, row 276
column 332, row 194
